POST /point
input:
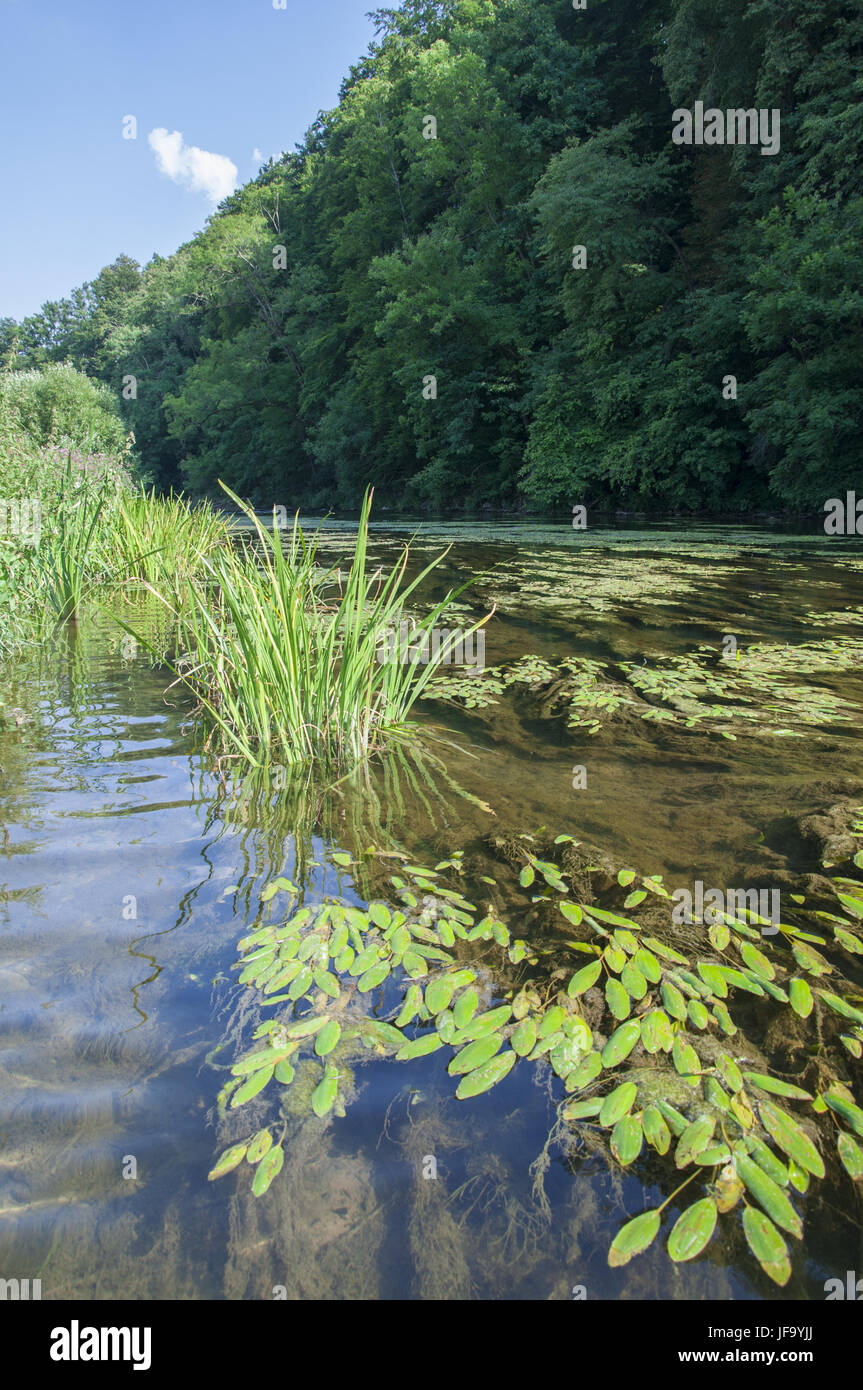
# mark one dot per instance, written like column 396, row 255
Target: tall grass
column 159, row 542
column 284, row 655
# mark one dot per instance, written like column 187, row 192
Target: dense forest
column 402, row 300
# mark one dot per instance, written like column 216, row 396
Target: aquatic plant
column 161, row 541
column 646, row 1037
column 284, row 654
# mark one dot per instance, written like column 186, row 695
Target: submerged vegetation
column 659, row 1040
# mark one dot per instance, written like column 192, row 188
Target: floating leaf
column 694, row 1138
column 587, row 1070
column 476, row 1082
column 626, row 1139
column 756, row 960
column 633, row 981
column 851, row 1156
column 767, row 1245
column 419, row 1047
column 269, row 1168
column 256, row 1083
column 621, row 1043
column 656, row 1031
column 618, row 1103
column 259, row 1145
column 769, row 1195
column 766, row 1159
column 676, row 1122
column 617, row 999
column 625, row 877
column 656, row 1131
column 697, row 1013
column 850, row 1113
column 788, row 1135
column 284, row 1073
column 486, row 1023
column 526, row 876
column 693, row 1230
column 583, row 979
column 439, row 993
column 634, row 1237
column 582, row 1109
column 713, row 978
column 730, row 1072
column 324, row 1094
column 801, row 997
column 728, row 1189
column 841, row 1006
column 328, row 1037
column 673, row 1000
column 228, row 1161
column 476, row 1054
column 777, row 1088
column 523, row 1039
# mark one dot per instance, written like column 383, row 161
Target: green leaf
column 581, row 1109
column 756, row 960
column 583, row 979
column 621, row 1043
column 769, row 1195
column 656, row 1131
column 419, row 1047
column 439, row 993
column 486, row 1023
column 523, row 1039
column 572, row 912
column 476, row 1082
column 676, row 1122
column 841, row 1006
column 374, row 977
column 697, row 1013
column 626, row 1139
column 269, row 1168
column 777, row 1088
column 693, row 1230
column 789, row 1137
column 476, row 1054
column 228, row 1161
column 617, row 999
column 526, row 876
column 618, row 1103
column 324, row 1094
column 694, row 1138
column 625, row 877
column 328, row 1037
column 767, row 1245
column 656, row 1031
column 633, row 1238
column 633, row 981
column 850, row 1154
column 259, row 1145
column 587, row 1070
column 465, row 1007
column 673, row 1000
column 256, row 1083
column 284, row 1073
column 801, row 997
column 849, row 1112
column 730, row 1072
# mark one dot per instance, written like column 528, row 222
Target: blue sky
column 231, row 76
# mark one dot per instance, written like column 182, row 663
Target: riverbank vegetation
column 429, row 227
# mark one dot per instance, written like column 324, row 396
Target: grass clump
column 285, row 654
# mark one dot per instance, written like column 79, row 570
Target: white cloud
column 198, row 170
column 257, row 157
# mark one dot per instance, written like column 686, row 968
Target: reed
column 282, row 654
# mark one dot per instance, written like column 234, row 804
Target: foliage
column 287, row 656
column 298, row 327
column 664, row 1061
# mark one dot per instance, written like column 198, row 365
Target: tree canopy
column 402, row 300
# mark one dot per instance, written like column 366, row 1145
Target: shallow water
column 119, row 1011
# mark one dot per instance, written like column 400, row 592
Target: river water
column 131, row 863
